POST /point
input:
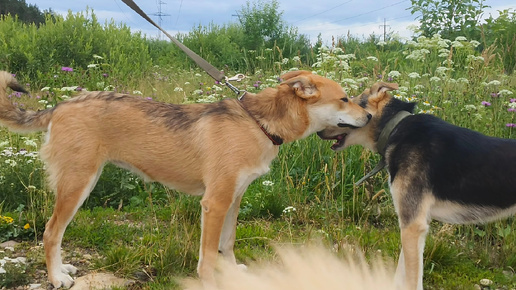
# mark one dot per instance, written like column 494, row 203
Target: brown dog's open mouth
column 344, row 125
column 340, row 140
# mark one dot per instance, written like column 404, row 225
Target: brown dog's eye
column 344, row 100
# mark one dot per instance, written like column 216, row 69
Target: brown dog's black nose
column 369, row 116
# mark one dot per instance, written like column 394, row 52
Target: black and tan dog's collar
column 382, row 143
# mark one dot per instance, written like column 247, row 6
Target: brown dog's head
column 374, row 101
column 327, row 104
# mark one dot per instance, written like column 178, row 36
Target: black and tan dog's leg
column 413, row 212
column 410, row 265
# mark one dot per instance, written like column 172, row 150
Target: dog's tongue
column 339, row 143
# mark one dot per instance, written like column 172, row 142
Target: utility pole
column 160, row 15
column 384, row 30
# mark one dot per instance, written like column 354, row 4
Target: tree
column 27, row 13
column 261, row 22
column 449, row 18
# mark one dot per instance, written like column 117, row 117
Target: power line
column 179, row 12
column 369, row 12
column 322, row 12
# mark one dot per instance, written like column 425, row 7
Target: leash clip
column 237, row 78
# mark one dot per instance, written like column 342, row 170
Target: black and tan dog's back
column 436, row 171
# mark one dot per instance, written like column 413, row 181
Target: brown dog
column 215, row 150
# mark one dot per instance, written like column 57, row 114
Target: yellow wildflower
column 7, row 219
column 27, row 226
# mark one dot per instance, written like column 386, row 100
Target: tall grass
column 136, row 227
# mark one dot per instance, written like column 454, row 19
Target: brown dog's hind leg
column 73, row 187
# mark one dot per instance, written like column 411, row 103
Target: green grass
column 138, row 229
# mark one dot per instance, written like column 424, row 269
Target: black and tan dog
column 436, row 171
column 215, row 150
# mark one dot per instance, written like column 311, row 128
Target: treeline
column 28, row 13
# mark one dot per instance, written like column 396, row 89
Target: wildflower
column 26, row 226
column 457, row 44
column 268, row 183
column 137, row 92
column 6, row 219
column 470, row 107
column 494, row 95
column 289, row 209
column 494, row 83
column 441, row 70
column 29, row 142
column 414, row 75
column 512, row 110
column 93, row 65
column 105, row 75
column 463, row 80
column 435, row 79
column 505, row 93
column 69, row 89
column 373, row 58
column 11, row 162
column 474, row 43
column 45, row 89
column 394, row 74
column 510, row 125
column 178, row 89
column 149, row 98
column 461, row 38
column 65, row 68
column 486, row 104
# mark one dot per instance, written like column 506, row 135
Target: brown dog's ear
column 294, row 74
column 382, row 87
column 303, row 87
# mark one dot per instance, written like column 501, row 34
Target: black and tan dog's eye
column 344, row 100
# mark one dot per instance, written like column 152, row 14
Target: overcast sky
column 328, row 17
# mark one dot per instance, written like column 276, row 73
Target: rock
column 99, row 281
column 10, row 244
column 485, row 282
column 34, row 286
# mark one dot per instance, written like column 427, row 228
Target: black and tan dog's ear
column 382, row 87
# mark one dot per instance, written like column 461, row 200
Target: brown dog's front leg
column 214, row 209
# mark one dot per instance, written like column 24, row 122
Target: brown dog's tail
column 17, row 119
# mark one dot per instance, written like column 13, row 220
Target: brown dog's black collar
column 275, row 139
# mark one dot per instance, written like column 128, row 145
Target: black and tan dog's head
column 375, row 100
